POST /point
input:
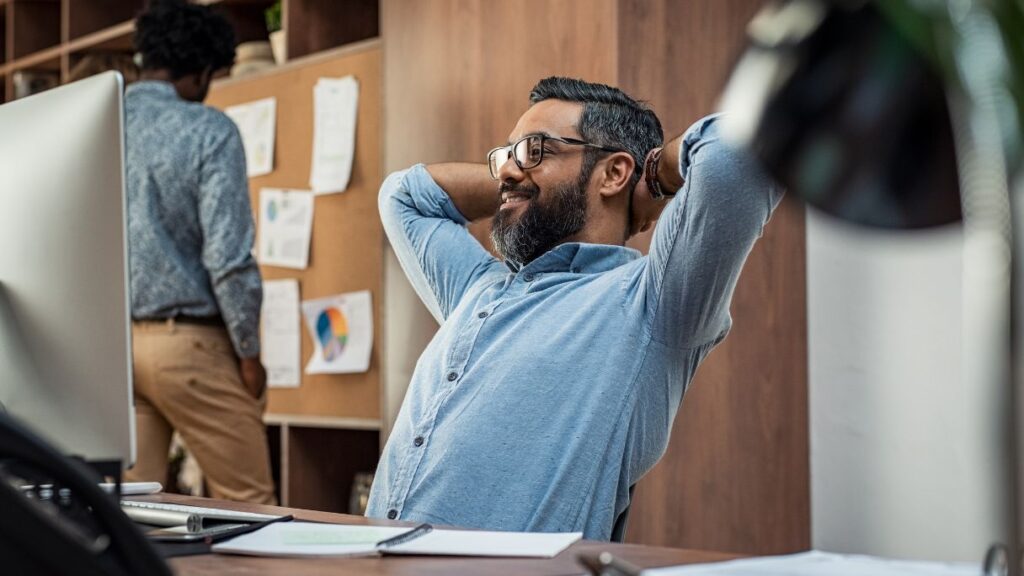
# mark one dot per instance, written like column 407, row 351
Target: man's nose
column 510, row 171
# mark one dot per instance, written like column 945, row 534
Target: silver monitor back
column 65, row 347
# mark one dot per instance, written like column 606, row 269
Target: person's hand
column 254, row 376
column 646, row 208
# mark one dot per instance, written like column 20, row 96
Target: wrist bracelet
column 651, row 175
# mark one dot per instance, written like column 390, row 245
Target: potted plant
column 278, row 44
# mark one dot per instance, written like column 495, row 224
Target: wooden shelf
column 35, row 26
column 354, row 48
column 116, row 38
column 246, row 17
column 316, row 25
column 307, row 421
column 48, row 59
column 320, row 465
column 85, row 18
column 55, row 34
column 301, row 448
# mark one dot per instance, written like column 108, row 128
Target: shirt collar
column 155, row 87
column 578, row 258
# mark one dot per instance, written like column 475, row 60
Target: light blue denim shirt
column 190, row 225
column 549, row 390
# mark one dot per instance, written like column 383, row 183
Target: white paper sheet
column 342, row 330
column 335, row 107
column 286, row 226
column 820, row 564
column 280, row 348
column 478, row 543
column 257, row 122
column 306, row 539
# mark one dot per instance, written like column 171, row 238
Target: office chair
column 619, row 527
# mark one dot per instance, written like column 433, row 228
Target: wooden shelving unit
column 315, row 458
column 328, row 430
column 51, row 36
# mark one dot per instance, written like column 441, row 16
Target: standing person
column 551, row 386
column 196, row 289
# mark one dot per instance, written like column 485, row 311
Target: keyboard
column 195, row 518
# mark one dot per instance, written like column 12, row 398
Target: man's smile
column 512, row 199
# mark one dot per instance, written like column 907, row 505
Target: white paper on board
column 342, row 330
column 280, row 348
column 257, row 123
column 285, row 227
column 335, row 107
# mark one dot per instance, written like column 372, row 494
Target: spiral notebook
column 298, row 539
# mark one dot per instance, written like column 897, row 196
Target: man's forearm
column 470, row 187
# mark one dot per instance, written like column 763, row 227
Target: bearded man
column 551, row 386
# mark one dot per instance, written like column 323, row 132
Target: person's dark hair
column 183, row 38
column 610, row 118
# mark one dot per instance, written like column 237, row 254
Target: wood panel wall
column 457, row 75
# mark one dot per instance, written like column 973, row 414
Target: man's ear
column 616, row 173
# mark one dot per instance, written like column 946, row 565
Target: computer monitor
column 65, row 346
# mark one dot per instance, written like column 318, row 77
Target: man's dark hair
column 183, row 38
column 610, row 118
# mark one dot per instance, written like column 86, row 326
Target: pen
column 210, row 539
column 604, row 564
column 405, row 536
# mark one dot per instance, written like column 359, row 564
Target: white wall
column 408, row 328
column 904, row 459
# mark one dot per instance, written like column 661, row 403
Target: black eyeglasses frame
column 493, row 168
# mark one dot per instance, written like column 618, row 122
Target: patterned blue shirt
column 549, row 390
column 190, row 225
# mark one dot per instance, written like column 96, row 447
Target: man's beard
column 543, row 224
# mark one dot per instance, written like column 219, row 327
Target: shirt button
column 418, row 441
column 392, row 514
column 528, row 277
column 452, row 376
column 482, row 314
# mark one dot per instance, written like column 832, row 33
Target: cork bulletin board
column 346, row 249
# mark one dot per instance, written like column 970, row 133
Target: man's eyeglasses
column 528, row 151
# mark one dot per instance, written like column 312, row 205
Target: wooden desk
column 562, row 565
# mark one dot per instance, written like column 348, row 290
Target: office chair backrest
column 619, row 528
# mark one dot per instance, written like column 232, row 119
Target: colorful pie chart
column 332, row 331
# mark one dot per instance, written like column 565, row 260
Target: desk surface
column 562, row 565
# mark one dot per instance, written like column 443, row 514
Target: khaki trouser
column 187, row 379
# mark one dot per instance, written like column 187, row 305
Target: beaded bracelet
column 651, row 175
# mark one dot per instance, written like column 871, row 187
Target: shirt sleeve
column 703, row 238
column 429, row 235
column 225, row 216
